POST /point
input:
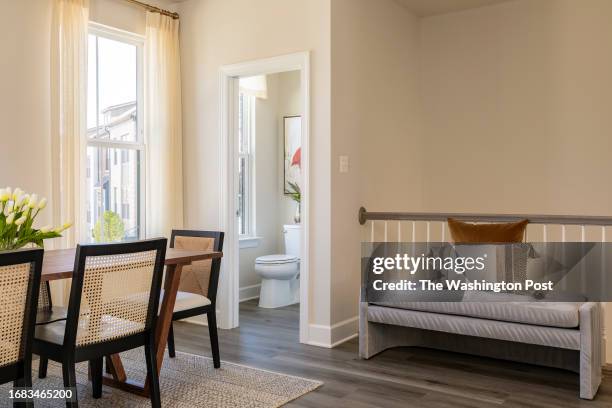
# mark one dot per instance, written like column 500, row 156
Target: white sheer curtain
column 68, row 123
column 68, row 113
column 164, row 203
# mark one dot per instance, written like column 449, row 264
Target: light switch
column 344, row 164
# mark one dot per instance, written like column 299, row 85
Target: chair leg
column 24, row 382
column 69, row 374
column 27, row 377
column 42, row 367
column 18, row 384
column 171, row 350
column 214, row 340
column 107, row 366
column 95, row 368
column 151, row 357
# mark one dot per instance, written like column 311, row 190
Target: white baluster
column 544, row 234
column 583, row 280
column 563, row 233
column 604, row 275
column 372, row 231
column 413, row 231
column 428, row 229
column 443, row 231
column 386, row 231
column 399, row 231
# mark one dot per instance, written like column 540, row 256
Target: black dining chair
column 197, row 293
column 112, row 308
column 47, row 311
column 19, row 282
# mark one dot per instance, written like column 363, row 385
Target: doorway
column 238, row 187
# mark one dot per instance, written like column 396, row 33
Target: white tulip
column 10, row 218
column 17, row 193
column 32, row 202
column 46, row 229
column 4, row 195
column 22, row 200
column 21, row 220
column 8, row 190
column 42, row 203
column 9, row 207
column 63, row 227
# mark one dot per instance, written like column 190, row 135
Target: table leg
column 119, row 380
column 171, row 285
column 115, row 367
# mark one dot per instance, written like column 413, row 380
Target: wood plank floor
column 402, row 377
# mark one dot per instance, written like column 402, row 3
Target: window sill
column 248, row 242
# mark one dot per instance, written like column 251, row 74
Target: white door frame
column 228, row 183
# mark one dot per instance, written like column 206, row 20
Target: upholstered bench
column 563, row 335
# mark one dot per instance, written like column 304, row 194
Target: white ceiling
column 423, row 8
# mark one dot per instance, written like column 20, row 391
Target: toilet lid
column 276, row 259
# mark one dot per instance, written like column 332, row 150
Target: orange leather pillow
column 465, row 232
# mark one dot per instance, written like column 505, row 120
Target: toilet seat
column 276, row 259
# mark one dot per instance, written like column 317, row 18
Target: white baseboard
column 334, row 335
column 249, row 292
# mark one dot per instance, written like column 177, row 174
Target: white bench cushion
column 551, row 314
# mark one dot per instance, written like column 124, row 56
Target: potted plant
column 296, row 195
column 18, row 211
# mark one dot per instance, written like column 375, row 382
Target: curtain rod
column 154, row 9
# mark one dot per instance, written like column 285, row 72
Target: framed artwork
column 293, row 151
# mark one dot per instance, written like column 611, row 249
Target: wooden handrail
column 365, row 215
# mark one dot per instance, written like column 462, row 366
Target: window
column 115, row 145
column 246, row 206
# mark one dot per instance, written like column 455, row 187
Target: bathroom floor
column 402, row 377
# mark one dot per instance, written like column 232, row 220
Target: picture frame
column 292, row 135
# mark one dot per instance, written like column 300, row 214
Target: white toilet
column 280, row 285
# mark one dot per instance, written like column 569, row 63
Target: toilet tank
column 293, row 234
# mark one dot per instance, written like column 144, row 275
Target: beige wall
column 516, row 102
column 496, row 109
column 220, row 32
column 25, row 102
column 123, row 15
column 508, row 112
column 376, row 122
column 273, row 208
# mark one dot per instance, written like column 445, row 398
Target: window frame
column 139, row 145
column 250, row 208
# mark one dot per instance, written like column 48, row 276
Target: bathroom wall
column 289, row 104
column 273, row 209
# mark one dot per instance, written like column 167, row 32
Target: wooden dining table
column 59, row 264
